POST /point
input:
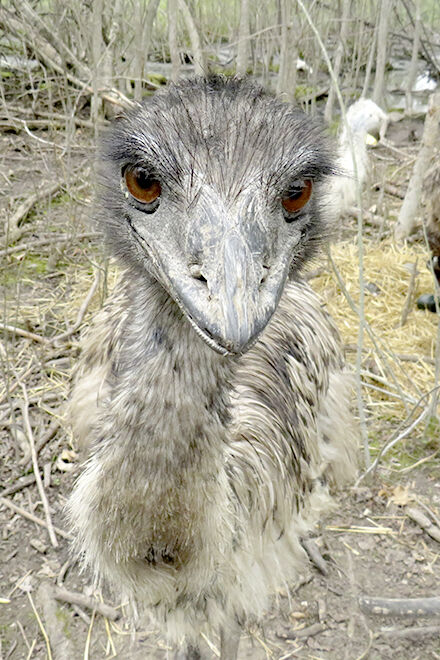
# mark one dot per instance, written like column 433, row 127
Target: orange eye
column 141, row 185
column 298, row 196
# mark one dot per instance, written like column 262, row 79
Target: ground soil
column 371, row 549
column 370, row 545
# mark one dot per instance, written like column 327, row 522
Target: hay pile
column 399, row 357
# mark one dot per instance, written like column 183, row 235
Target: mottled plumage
column 207, row 467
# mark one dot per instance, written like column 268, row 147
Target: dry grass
column 398, row 361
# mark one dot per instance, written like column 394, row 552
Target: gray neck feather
column 172, row 390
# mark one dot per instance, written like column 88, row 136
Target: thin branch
column 14, row 330
column 90, row 603
column 423, row 521
column 30, row 435
column 59, row 238
column 32, row 518
column 400, row 606
column 81, row 312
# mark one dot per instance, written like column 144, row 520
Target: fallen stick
column 77, row 598
column 424, row 522
column 303, row 633
column 413, row 633
column 22, row 333
column 400, row 606
column 42, row 492
column 32, row 518
column 12, row 229
column 22, row 211
column 60, row 644
column 23, row 483
column 41, row 443
column 352, row 348
column 368, row 217
column 314, row 555
column 81, row 312
column 64, row 335
column 48, row 116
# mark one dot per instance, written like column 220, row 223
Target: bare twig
column 32, row 518
column 76, row 598
column 302, row 633
column 61, row 645
column 400, row 606
column 12, row 229
column 59, row 238
column 410, row 294
column 352, row 348
column 424, row 522
column 47, row 117
column 81, row 312
column 389, row 188
column 369, row 218
column 315, row 556
column 23, row 483
column 42, row 628
column 22, row 333
column 415, row 632
column 64, row 335
column 430, row 513
column 398, row 436
column 30, row 435
column 42, row 442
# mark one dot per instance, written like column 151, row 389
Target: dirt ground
column 372, row 545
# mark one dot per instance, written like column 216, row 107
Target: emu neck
column 175, row 388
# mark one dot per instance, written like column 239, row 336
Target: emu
column 364, row 116
column 212, row 391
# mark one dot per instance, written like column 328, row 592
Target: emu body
column 216, row 424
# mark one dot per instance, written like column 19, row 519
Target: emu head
column 215, row 189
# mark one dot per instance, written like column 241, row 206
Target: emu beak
column 231, row 292
column 230, row 314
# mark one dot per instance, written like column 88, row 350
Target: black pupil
column 143, row 179
column 295, row 193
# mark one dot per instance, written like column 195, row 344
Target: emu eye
column 298, row 195
column 141, row 185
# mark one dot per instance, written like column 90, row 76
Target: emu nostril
column 196, row 273
column 264, row 274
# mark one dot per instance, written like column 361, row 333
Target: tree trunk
column 97, row 48
column 139, row 39
column 431, row 133
column 286, row 82
column 107, row 59
column 386, row 8
column 150, row 20
column 243, row 39
column 172, row 39
column 144, row 26
column 370, row 63
column 338, row 58
column 412, row 73
column 198, row 59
